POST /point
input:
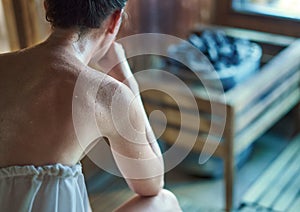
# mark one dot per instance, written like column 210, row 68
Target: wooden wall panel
column 10, row 24
column 25, row 21
column 174, row 17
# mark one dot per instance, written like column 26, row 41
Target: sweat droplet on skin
column 140, row 156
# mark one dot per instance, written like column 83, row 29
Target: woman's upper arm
column 141, row 167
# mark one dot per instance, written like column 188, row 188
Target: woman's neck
column 81, row 46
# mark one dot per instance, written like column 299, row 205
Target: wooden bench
column 252, row 106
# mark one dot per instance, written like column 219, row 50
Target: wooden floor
column 278, row 189
column 203, row 194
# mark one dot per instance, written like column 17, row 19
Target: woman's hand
column 115, row 64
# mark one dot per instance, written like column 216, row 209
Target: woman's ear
column 115, row 21
column 45, row 5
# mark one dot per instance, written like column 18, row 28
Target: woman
column 39, row 149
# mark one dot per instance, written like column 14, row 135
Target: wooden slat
column 192, row 121
column 290, row 194
column 203, row 106
column 171, row 135
column 282, row 64
column 273, row 114
column 214, row 102
column 243, row 119
column 165, row 100
column 269, row 177
column 282, row 180
column 216, row 107
column 295, row 206
column 212, row 127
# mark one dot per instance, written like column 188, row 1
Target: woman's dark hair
column 83, row 14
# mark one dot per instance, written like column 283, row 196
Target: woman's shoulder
column 8, row 57
column 96, row 87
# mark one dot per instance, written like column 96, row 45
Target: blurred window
column 279, row 8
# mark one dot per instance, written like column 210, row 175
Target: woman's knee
column 165, row 201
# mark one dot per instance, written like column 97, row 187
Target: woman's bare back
column 36, row 87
